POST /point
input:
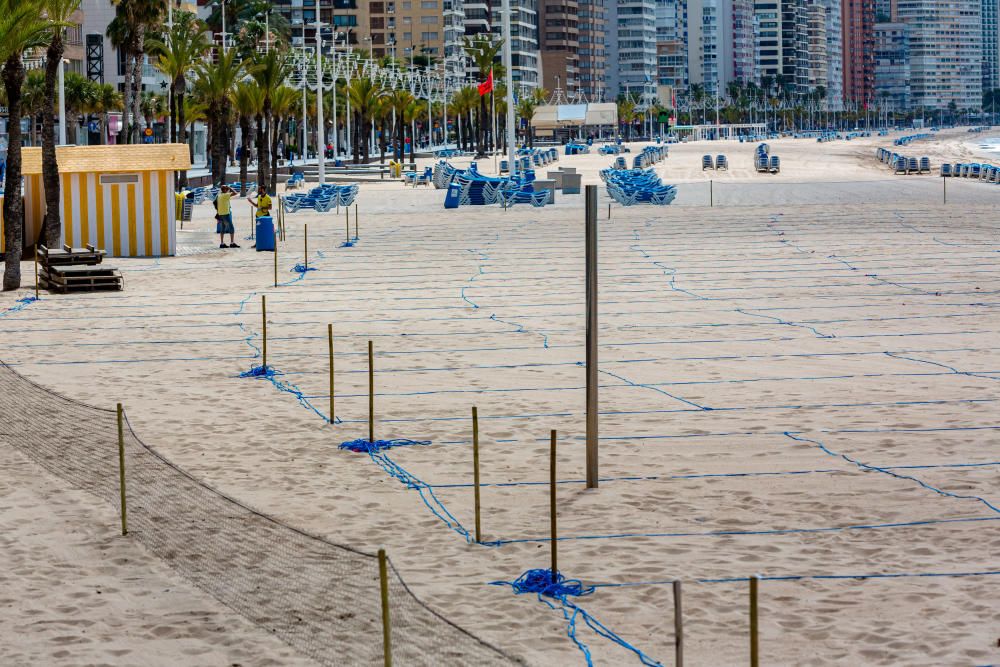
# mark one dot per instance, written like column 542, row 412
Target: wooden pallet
column 69, row 256
column 80, row 279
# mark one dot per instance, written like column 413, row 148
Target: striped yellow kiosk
column 119, row 199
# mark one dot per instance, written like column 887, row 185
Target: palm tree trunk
column 274, row 155
column 182, row 180
column 140, row 41
column 173, row 110
column 263, row 172
column 13, row 205
column 261, row 145
column 127, row 98
column 50, row 169
column 400, row 133
column 218, row 147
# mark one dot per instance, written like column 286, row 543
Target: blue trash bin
column 265, row 233
column 454, row 195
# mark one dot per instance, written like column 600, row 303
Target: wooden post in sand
column 371, row 395
column 36, row 271
column 944, row 189
column 121, row 468
column 754, row 626
column 347, row 224
column 591, row 315
column 276, row 261
column 678, row 626
column 263, row 318
column 329, row 335
column 711, row 192
column 475, row 469
column 305, row 244
column 552, row 504
column 383, row 579
column 356, row 221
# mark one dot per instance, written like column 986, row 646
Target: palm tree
column 127, row 31
column 186, row 44
column 248, row 100
column 33, row 100
column 106, row 99
column 626, row 114
column 57, row 12
column 269, row 71
column 398, row 100
column 21, row 28
column 283, row 105
column 214, row 85
column 80, row 92
column 363, row 94
column 152, row 106
column 483, row 51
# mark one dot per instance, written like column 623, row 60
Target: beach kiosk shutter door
column 34, row 210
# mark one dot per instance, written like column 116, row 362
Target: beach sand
column 771, row 370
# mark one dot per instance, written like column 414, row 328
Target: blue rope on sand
column 259, row 372
column 21, row 305
column 302, row 268
column 559, row 588
column 368, row 447
column 347, row 244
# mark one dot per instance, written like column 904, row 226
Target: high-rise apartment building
column 835, row 56
column 742, row 39
column 526, row 64
column 559, row 41
column 783, row 43
column 671, row 45
column 591, row 57
column 991, row 44
column 631, row 47
column 818, row 57
column 859, row 50
column 710, row 44
column 892, row 66
column 945, row 40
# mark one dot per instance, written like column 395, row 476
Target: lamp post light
column 320, row 126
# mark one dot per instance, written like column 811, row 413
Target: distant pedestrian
column 224, row 217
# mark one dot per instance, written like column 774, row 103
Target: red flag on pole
column 486, row 86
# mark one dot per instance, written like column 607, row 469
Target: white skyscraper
column 834, row 56
column 631, row 49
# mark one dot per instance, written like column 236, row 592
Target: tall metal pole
column 336, row 129
column 591, row 289
column 320, row 125
column 509, row 79
column 62, row 102
column 223, row 7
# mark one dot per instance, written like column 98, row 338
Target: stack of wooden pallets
column 76, row 270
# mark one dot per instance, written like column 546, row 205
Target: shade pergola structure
column 549, row 118
column 711, row 131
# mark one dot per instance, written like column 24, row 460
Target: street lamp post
column 320, row 127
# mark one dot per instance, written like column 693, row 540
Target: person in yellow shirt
column 263, row 202
column 224, row 217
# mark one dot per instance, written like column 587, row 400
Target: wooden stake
column 754, row 626
column 678, row 626
column 121, row 467
column 383, row 578
column 590, row 288
column 711, row 192
column 329, row 335
column 371, row 394
column 263, row 317
column 36, row 271
column 552, row 504
column 356, row 222
column 305, row 243
column 347, row 223
column 944, row 186
column 276, row 261
column 475, row 468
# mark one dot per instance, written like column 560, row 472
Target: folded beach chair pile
column 611, row 149
column 539, row 157
column 903, row 141
column 448, row 152
column 764, row 162
column 296, row 181
column 442, row 174
column 902, row 164
column 637, row 186
column 322, row 199
column 649, row 156
column 577, row 149
column 721, row 163
column 987, row 173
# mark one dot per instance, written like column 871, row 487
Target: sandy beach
column 798, row 381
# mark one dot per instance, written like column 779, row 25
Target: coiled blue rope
column 259, row 372
column 548, row 586
column 368, row 447
column 302, row 268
